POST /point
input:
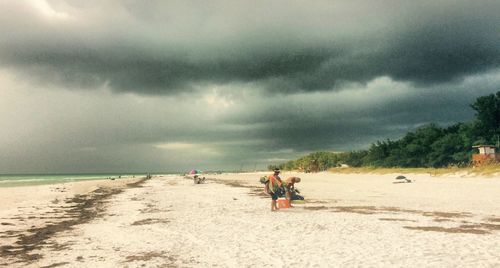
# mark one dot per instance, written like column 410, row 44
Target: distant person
column 290, row 188
column 198, row 180
column 273, row 188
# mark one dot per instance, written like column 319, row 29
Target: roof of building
column 478, row 146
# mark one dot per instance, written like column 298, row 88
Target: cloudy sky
column 137, row 86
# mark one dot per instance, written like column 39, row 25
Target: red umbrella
column 194, row 171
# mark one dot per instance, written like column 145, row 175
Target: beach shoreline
column 31, row 214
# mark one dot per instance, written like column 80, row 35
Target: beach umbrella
column 194, row 171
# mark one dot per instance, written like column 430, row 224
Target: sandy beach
column 348, row 220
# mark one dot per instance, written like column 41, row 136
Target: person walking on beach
column 290, row 188
column 273, row 187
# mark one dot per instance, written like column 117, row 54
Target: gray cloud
column 226, row 84
column 355, row 118
column 56, row 130
column 168, row 47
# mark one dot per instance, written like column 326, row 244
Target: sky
column 157, row 86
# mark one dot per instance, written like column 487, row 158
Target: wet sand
column 31, row 215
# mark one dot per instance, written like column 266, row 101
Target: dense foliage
column 427, row 146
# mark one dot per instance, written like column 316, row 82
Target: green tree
column 354, row 158
column 444, row 150
column 487, row 123
column 377, row 154
column 419, row 149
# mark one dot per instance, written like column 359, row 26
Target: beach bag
column 296, row 195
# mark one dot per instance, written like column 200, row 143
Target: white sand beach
column 348, row 220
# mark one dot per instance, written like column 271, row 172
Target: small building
column 487, row 155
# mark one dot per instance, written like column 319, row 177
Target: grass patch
column 490, row 170
column 487, row 170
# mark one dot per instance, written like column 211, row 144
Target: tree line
column 428, row 146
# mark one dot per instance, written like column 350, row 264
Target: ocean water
column 39, row 179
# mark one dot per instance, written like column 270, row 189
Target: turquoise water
column 33, row 179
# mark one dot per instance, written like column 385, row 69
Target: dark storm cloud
column 266, row 80
column 169, row 47
column 354, row 119
column 56, row 130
